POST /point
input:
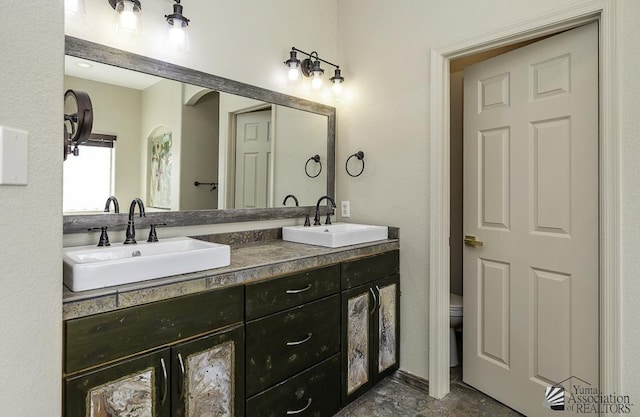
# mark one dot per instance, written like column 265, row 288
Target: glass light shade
column 316, row 82
column 294, row 73
column 128, row 21
column 177, row 37
column 337, row 87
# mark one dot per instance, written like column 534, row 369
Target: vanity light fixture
column 128, row 22
column 177, row 37
column 311, row 67
column 337, row 81
column 294, row 65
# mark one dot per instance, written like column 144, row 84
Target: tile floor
column 392, row 398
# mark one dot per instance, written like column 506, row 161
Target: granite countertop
column 252, row 259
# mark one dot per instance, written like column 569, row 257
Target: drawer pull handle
column 182, row 376
column 307, row 288
column 299, row 342
column 292, row 412
column 164, row 382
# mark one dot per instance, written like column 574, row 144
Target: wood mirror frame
column 95, row 52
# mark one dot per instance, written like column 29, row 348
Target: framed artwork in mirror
column 160, row 170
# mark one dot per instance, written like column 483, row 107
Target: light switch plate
column 13, row 156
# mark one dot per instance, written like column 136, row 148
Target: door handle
column 471, row 241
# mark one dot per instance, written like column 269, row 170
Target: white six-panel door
column 253, row 159
column 531, row 198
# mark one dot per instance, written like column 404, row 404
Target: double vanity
column 297, row 321
column 285, row 328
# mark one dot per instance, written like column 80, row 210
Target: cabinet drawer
column 93, row 340
column 283, row 344
column 279, row 294
column 314, row 392
column 362, row 271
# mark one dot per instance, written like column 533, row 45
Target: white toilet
column 455, row 322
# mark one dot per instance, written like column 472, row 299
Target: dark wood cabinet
column 301, row 344
column 189, row 375
column 370, row 323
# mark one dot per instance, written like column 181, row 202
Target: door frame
column 604, row 12
column 230, row 185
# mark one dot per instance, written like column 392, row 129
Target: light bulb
column 176, row 36
column 294, row 74
column 316, row 82
column 337, row 88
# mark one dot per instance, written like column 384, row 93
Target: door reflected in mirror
column 169, row 135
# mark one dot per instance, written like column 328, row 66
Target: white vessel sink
column 90, row 267
column 335, row 235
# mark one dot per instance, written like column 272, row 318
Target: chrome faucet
column 116, row 207
column 131, row 229
column 284, row 203
column 316, row 219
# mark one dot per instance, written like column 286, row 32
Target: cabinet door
column 357, row 338
column 208, row 375
column 387, row 326
column 137, row 387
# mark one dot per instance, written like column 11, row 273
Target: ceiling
column 107, row 74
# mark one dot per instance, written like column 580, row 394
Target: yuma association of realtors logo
column 554, row 397
column 582, row 399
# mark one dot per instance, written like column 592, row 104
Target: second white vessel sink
column 91, row 267
column 335, row 235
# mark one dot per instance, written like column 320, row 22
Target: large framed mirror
column 197, row 148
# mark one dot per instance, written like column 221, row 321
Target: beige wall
column 161, row 113
column 244, row 40
column 31, row 45
column 200, row 130
column 386, row 52
column 298, row 136
column 629, row 53
column 116, row 111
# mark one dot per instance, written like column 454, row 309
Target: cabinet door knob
column 299, row 342
column 302, row 410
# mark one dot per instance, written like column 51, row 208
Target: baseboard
column 411, row 380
